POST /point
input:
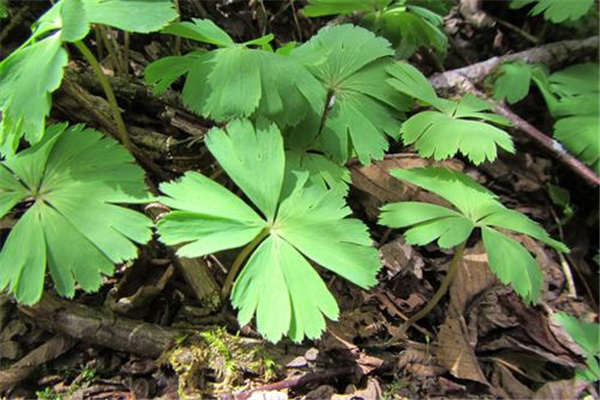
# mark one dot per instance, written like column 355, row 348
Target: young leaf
column 556, row 11
column 363, row 107
column 75, row 179
column 587, row 336
column 475, row 207
column 277, row 284
column 235, row 80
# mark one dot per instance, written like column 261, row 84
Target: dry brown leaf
column 378, row 187
column 456, row 353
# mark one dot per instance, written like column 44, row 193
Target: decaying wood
column 552, row 54
column 101, row 329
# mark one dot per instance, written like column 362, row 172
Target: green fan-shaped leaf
column 457, row 127
column 235, row 80
column 277, row 284
column 408, row 25
column 364, row 109
column 579, row 134
column 513, row 83
column 475, row 207
column 573, row 97
column 28, row 77
column 556, row 11
column 131, row 15
column 31, row 73
column 75, row 179
column 442, row 135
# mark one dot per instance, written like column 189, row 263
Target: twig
column 299, row 381
column 518, row 30
column 550, row 54
column 552, row 146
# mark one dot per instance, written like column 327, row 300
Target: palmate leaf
column 322, row 171
column 28, row 77
column 303, row 222
column 573, row 97
column 587, row 336
column 364, row 109
column 408, row 25
column 475, row 207
column 556, row 11
column 30, row 74
column 75, row 179
column 457, row 127
column 235, row 80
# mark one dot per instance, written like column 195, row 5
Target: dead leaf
column 371, row 392
column 456, row 353
column 567, row 389
column 377, row 187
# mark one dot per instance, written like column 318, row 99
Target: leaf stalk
column 239, row 260
column 440, row 292
column 110, row 95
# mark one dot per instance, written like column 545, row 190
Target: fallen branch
column 463, row 80
column 98, row 328
column 552, row 54
column 23, row 368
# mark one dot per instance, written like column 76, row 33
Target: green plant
column 474, row 208
column 31, row 73
column 407, row 24
column 573, row 99
column 68, row 185
column 456, row 126
column 298, row 221
column 556, row 11
column 587, row 336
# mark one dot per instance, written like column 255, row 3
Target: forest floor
column 155, row 330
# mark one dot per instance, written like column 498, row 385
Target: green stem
column 239, row 260
column 440, row 292
column 110, row 95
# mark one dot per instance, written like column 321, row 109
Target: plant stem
column 440, row 292
column 326, row 109
column 239, row 260
column 110, row 95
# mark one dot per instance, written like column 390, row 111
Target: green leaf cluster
column 573, row 99
column 71, row 184
column 407, row 24
column 556, row 11
column 30, row 74
column 295, row 222
column 461, row 126
column 237, row 80
column 473, row 207
column 587, row 336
